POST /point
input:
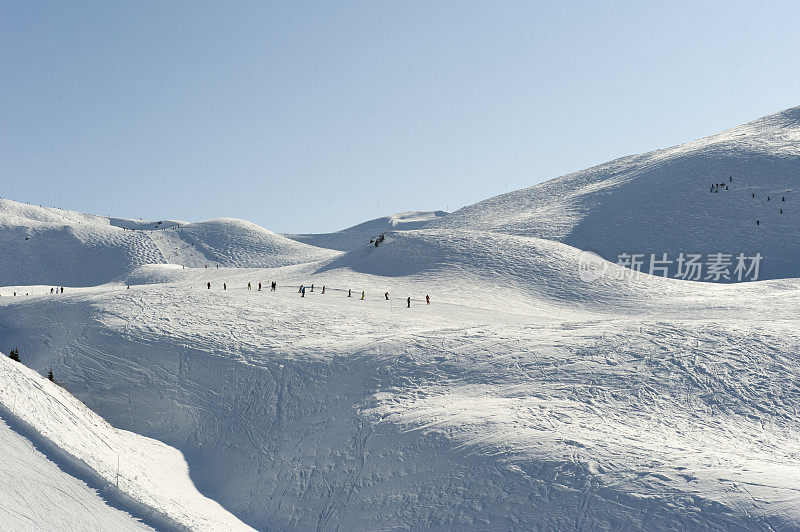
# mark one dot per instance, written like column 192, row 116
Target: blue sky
column 313, row 116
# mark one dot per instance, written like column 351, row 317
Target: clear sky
column 313, row 116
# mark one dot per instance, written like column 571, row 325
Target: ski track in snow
column 329, row 411
column 523, row 398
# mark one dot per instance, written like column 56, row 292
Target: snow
column 36, row 495
column 525, row 396
column 360, row 234
column 659, row 202
column 143, row 472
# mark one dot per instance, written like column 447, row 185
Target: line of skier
column 302, row 291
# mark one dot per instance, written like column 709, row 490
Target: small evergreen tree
column 14, row 355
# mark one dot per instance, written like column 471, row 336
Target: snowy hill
column 360, row 234
column 661, row 202
column 542, row 388
column 57, row 247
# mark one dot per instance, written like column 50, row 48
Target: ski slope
column 134, row 472
column 35, row 494
column 660, row 202
column 534, row 409
column 525, row 396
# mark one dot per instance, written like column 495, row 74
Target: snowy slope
column 657, row 406
column 660, row 202
column 35, row 494
column 360, row 234
column 132, row 471
column 52, row 246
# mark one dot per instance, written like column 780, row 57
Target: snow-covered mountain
column 533, row 392
column 663, row 201
column 360, row 234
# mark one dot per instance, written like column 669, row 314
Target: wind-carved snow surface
column 525, row 396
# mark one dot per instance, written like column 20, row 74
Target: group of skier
column 53, row 290
column 717, row 187
column 302, row 291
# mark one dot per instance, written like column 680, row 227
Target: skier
column 730, row 179
column 224, row 286
column 783, row 199
column 323, row 289
column 300, row 289
column 62, row 289
column 51, row 290
column 312, row 287
column 758, row 223
column 349, row 293
column 386, row 295
column 753, row 195
column 362, row 295
column 409, row 301
column 209, row 285
column 767, row 198
column 303, row 291
column 249, row 286
column 428, row 300
column 259, row 287
column 780, row 211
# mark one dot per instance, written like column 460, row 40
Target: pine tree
column 14, row 355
